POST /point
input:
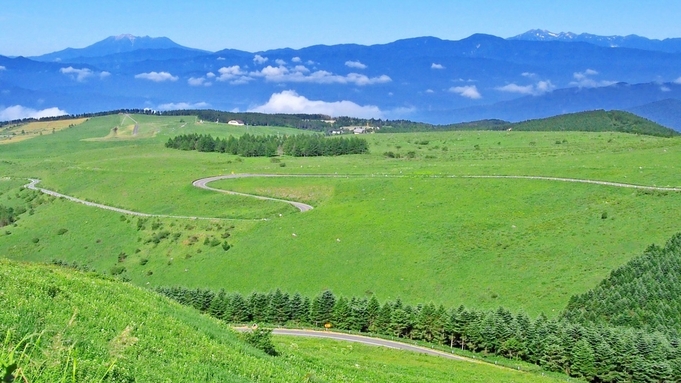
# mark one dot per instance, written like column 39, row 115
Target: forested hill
column 596, row 121
column 643, row 294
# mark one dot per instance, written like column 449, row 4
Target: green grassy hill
column 63, row 325
column 596, row 121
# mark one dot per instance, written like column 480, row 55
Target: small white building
column 235, row 122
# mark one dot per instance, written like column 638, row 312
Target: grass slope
column 452, row 241
column 63, row 325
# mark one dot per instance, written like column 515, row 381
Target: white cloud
column 290, row 102
column 469, row 91
column 296, row 60
column 283, row 74
column 18, row 112
column 280, row 62
column 584, row 80
column 528, row 74
column 260, row 59
column 210, row 74
column 437, row 66
column 301, row 69
column 233, row 74
column 157, row 76
column 2, row 67
column 79, row 75
column 355, row 64
column 183, row 105
column 430, row 91
column 104, row 75
column 677, row 81
column 537, row 89
column 665, row 89
column 196, row 81
column 220, row 59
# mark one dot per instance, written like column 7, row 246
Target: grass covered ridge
column 66, row 325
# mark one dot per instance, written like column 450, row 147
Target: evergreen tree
column 583, row 360
column 241, row 312
column 341, row 314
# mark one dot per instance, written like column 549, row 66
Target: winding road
column 303, row 207
column 32, row 185
column 203, row 184
column 364, row 340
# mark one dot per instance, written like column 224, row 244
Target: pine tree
column 383, row 320
column 279, row 311
column 217, row 305
column 583, row 360
column 341, row 314
column 240, row 309
column 373, row 309
column 258, row 304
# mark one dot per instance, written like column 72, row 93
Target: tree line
column 596, row 353
column 248, row 145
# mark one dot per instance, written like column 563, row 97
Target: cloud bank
column 537, row 89
column 585, row 80
column 157, row 76
column 183, row 105
column 289, row 101
column 79, row 75
column 355, row 64
column 469, row 91
column 18, row 112
column 300, row 74
column 259, row 59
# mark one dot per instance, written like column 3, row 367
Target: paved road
column 365, row 340
column 34, row 182
column 203, row 184
column 577, row 180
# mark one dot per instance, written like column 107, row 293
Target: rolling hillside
column 62, row 325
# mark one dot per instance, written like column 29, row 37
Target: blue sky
column 32, row 27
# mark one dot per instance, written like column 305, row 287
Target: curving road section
column 203, row 184
column 364, row 340
column 32, row 185
column 578, row 180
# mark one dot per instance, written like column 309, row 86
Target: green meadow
column 399, row 221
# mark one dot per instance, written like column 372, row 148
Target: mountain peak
column 113, row 45
column 125, row 36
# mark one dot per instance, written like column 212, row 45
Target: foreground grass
column 374, row 364
column 63, row 325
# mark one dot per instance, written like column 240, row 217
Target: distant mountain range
column 630, row 41
column 537, row 74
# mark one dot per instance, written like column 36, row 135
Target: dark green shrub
column 117, row 270
column 262, row 340
column 35, row 240
column 62, row 231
